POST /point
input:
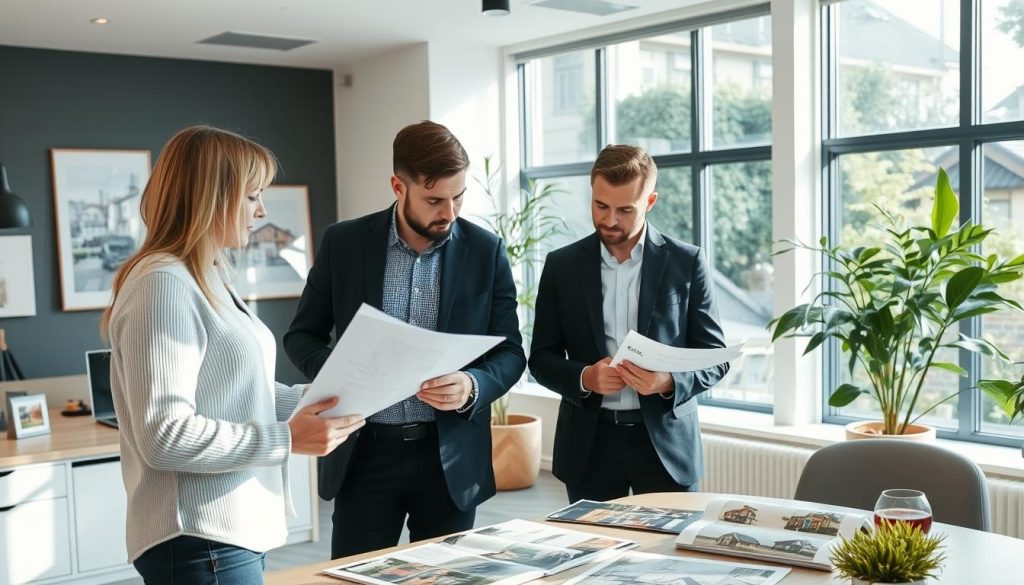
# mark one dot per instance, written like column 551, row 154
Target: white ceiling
column 347, row 30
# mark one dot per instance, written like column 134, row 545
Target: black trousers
column 391, row 479
column 622, row 459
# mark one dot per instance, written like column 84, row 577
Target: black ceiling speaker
column 496, row 7
column 13, row 211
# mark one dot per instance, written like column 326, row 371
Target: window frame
column 701, row 157
column 970, row 135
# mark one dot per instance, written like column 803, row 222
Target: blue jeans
column 188, row 560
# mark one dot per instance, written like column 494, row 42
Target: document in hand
column 380, row 361
column 771, row 531
column 513, row 552
column 658, row 357
column 638, row 567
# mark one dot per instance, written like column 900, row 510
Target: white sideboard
column 62, row 506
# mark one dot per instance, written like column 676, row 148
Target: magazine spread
column 667, row 520
column 793, row 535
column 642, row 568
column 513, row 552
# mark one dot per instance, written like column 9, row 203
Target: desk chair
column 854, row 473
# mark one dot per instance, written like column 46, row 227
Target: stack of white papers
column 380, row 361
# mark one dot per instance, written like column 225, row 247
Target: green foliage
column 893, row 553
column 523, row 227
column 892, row 303
column 1011, row 21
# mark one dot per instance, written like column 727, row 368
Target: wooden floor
column 546, row 496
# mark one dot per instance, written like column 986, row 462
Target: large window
column 897, row 109
column 698, row 98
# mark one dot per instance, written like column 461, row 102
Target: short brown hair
column 427, row 151
column 621, row 163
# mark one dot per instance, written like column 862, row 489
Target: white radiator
column 760, row 468
column 750, row 467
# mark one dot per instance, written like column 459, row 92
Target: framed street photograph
column 96, row 195
column 17, row 282
column 29, row 416
column 276, row 261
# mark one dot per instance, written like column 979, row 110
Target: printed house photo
column 744, row 515
column 17, row 284
column 752, row 539
column 277, row 258
column 96, row 197
column 816, row 522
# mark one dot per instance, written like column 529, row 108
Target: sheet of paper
column 380, row 361
column 658, row 357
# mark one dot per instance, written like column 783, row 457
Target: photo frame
column 96, row 197
column 279, row 254
column 29, row 417
column 17, row 280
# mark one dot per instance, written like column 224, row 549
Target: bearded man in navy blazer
column 427, row 458
column 624, row 428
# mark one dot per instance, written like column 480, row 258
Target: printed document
column 658, row 357
column 380, row 361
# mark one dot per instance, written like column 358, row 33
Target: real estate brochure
column 513, row 552
column 794, row 535
column 637, row 568
column 667, row 520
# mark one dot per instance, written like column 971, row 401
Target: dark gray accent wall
column 62, row 99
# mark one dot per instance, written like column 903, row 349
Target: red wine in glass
column 910, row 506
column 917, row 518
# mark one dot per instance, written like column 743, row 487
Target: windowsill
column 995, row 461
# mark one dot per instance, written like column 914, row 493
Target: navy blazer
column 676, row 307
column 478, row 296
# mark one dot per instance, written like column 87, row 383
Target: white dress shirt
column 620, row 291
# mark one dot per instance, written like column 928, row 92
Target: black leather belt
column 626, row 418
column 406, row 432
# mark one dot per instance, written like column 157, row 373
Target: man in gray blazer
column 624, row 428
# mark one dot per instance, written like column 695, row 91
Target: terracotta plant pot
column 873, row 430
column 515, row 452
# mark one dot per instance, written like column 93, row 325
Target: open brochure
column 795, row 535
column 637, row 568
column 667, row 520
column 513, row 552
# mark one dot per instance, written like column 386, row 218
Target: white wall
column 388, row 92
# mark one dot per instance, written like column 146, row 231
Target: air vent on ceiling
column 596, row 7
column 254, row 41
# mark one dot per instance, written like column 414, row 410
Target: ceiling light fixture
column 13, row 211
column 100, row 20
column 496, row 7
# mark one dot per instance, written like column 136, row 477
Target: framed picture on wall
column 96, row 195
column 17, row 283
column 276, row 261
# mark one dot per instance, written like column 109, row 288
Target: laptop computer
column 97, row 366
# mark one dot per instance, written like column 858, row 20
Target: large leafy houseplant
column 524, row 226
column 893, row 306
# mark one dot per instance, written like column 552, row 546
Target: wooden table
column 78, row 437
column 974, row 557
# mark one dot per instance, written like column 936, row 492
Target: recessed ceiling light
column 99, row 20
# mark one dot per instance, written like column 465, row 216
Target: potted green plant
column 524, row 226
column 891, row 553
column 893, row 306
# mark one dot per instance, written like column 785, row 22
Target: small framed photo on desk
column 29, row 417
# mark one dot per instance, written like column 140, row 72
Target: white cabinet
column 100, row 509
column 34, row 541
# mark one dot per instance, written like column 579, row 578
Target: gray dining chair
column 854, row 473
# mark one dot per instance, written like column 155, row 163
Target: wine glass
column 910, row 506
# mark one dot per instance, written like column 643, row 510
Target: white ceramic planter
column 863, row 582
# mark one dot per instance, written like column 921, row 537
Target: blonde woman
column 205, row 429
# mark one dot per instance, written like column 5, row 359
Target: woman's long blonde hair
column 195, row 196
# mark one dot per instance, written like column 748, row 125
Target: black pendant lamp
column 13, row 211
column 496, row 7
